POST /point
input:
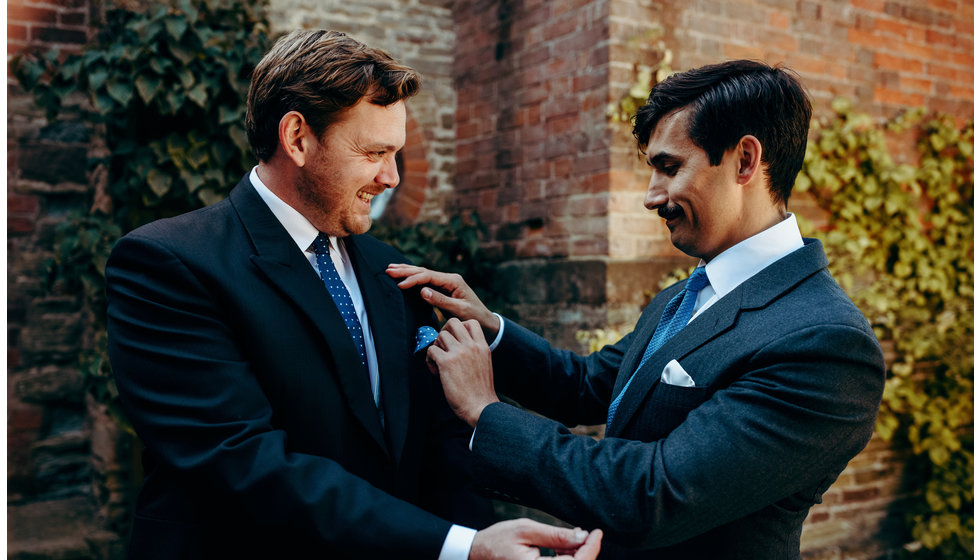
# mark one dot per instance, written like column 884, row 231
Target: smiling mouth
column 365, row 196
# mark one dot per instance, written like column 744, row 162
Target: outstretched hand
column 448, row 292
column 520, row 539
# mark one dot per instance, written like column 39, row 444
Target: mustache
column 669, row 211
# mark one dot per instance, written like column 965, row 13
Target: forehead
column 671, row 133
column 369, row 120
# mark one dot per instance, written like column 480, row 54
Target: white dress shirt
column 460, row 539
column 746, row 259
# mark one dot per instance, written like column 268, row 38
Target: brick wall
column 883, row 55
column 532, row 142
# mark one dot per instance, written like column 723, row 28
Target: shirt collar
column 744, row 260
column 297, row 226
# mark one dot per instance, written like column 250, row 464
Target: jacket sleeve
column 804, row 405
column 565, row 386
column 196, row 403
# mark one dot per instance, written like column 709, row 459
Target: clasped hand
column 460, row 354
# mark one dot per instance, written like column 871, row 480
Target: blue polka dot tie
column 338, row 291
column 674, row 318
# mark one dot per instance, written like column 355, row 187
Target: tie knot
column 697, row 280
column 321, row 245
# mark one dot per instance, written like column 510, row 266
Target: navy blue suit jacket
column 261, row 434
column 788, row 379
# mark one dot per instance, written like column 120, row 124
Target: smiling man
column 743, row 391
column 270, row 366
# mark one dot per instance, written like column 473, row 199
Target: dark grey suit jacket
column 788, row 379
column 240, row 377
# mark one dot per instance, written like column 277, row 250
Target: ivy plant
column 165, row 87
column 899, row 238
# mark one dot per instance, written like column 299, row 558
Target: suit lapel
column 386, row 314
column 289, row 271
column 755, row 293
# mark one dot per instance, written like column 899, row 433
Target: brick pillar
column 540, row 162
column 48, row 442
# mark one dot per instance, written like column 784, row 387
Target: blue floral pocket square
column 425, row 337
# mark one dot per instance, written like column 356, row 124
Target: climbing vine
column 899, row 237
column 165, row 86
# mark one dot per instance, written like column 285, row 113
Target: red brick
column 915, row 84
column 890, row 96
column 559, row 28
column 25, row 418
column 22, row 204
column 961, row 92
column 944, row 5
column 864, row 38
column 892, row 26
column 734, row 51
column 902, row 64
column 934, row 37
column 870, row 5
column 16, row 32
column 862, row 495
column 20, row 224
column 21, row 13
column 779, row 20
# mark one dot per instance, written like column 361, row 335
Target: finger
column 431, row 364
column 475, row 330
column 458, row 330
column 435, row 298
column 590, row 549
column 549, row 536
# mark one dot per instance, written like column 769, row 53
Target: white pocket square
column 675, row 375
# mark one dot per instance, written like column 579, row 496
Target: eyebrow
column 380, row 147
column 661, row 158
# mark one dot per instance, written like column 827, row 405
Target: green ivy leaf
column 148, row 85
column 159, row 182
column 199, row 95
column 120, row 90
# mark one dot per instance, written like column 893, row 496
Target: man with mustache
column 743, row 391
column 271, row 368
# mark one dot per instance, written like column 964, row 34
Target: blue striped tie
column 341, row 297
column 674, row 318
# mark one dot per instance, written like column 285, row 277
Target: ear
column 749, row 152
column 294, row 137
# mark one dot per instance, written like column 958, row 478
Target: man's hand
column 448, row 292
column 520, row 539
column 461, row 357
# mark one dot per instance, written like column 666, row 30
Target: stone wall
column 67, row 463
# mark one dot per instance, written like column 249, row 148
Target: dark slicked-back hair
column 731, row 100
column 320, row 74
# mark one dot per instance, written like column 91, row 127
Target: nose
column 388, row 174
column 656, row 193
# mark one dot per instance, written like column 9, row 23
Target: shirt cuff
column 500, row 333
column 457, row 544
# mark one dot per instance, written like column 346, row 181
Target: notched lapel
column 289, row 271
column 386, row 312
column 755, row 293
column 715, row 320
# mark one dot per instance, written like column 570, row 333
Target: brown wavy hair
column 319, row 74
